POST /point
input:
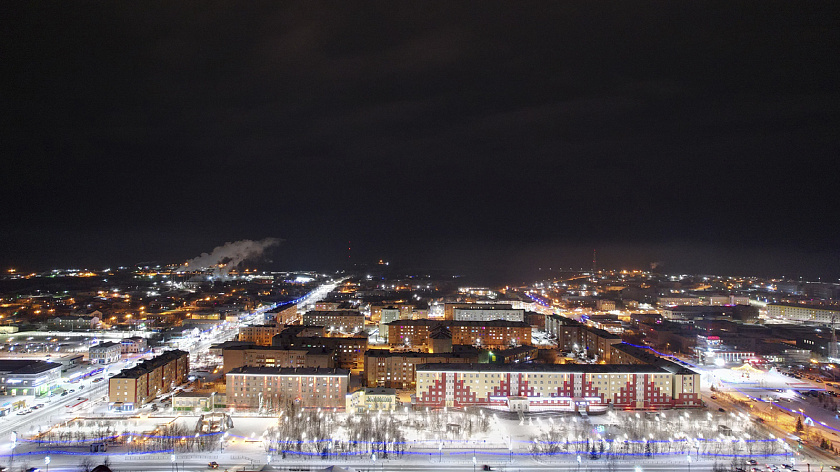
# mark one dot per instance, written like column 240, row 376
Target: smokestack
column 224, row 258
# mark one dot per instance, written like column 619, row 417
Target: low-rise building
column 133, row 345
column 194, row 401
column 28, row 377
column 371, row 400
column 73, row 323
column 270, row 388
column 105, row 353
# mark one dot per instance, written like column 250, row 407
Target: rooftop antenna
column 832, row 349
column 594, row 261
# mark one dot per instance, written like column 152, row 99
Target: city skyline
column 502, row 141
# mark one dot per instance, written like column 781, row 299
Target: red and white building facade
column 556, row 386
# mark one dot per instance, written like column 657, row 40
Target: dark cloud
column 145, row 131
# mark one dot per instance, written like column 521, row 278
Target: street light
column 689, row 462
column 47, row 463
column 473, row 462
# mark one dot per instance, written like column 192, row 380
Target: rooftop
column 291, row 371
column 21, row 366
column 559, row 368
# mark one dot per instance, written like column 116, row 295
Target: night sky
column 480, row 136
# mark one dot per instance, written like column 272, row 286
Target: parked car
column 213, row 465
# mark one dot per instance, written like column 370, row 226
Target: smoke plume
column 224, row 258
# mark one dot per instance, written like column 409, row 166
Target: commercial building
column 345, row 321
column 272, row 387
column 796, row 313
column 371, row 400
column 570, row 387
column 105, row 353
column 133, row 345
column 269, row 356
column 194, row 401
column 260, row 335
column 132, row 388
column 488, row 334
column 488, row 313
column 384, row 368
column 28, row 377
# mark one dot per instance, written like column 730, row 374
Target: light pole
column 172, row 459
column 440, row 452
column 14, row 446
column 47, row 463
column 689, row 462
column 578, row 459
column 474, row 461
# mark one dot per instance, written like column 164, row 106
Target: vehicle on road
column 213, row 465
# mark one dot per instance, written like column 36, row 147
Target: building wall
column 802, row 313
column 233, row 358
column 477, row 313
column 397, row 370
column 311, row 391
column 562, row 390
column 491, row 337
column 259, row 335
column 348, row 322
column 148, row 384
column 105, row 355
column 416, row 335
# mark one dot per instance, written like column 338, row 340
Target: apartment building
column 495, row 334
column 260, row 335
column 269, row 356
column 345, row 321
column 272, row 387
column 565, row 387
column 384, row 368
column 132, row 388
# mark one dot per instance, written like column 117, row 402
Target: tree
column 799, row 427
column 86, row 464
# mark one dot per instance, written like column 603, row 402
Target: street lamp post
column 474, row 461
column 14, row 446
column 440, row 452
column 47, row 463
column 688, row 457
